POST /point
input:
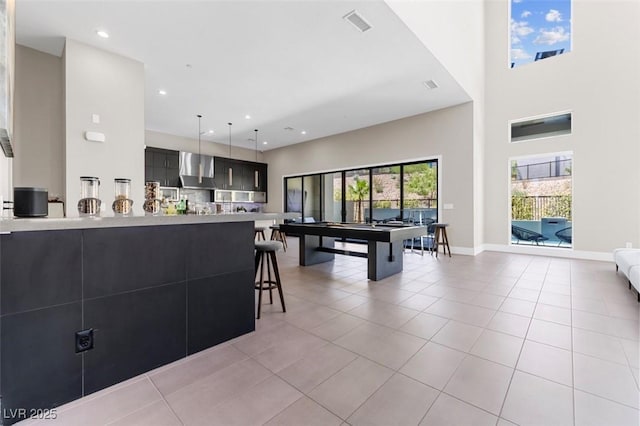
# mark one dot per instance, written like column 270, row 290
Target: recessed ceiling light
column 162, row 92
column 264, row 143
column 102, row 33
column 247, row 116
column 211, row 131
column 304, row 132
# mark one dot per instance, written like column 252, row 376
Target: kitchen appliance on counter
column 30, row 202
column 89, row 204
column 196, row 171
column 122, row 205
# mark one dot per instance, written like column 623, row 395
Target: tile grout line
column 164, row 399
column 519, row 354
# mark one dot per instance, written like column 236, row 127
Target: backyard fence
column 537, row 207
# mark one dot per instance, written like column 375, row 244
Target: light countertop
column 45, row 224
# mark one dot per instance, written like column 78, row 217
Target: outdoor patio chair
column 522, row 234
column 565, row 235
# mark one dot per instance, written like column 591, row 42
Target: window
column 312, row 198
column 540, row 29
column 379, row 194
column 385, row 194
column 293, row 191
column 420, row 184
column 332, row 197
column 541, row 200
column 541, row 127
column 357, row 196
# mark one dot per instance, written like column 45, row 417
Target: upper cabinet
column 162, row 165
column 240, row 175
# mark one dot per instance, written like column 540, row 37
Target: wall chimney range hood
column 190, row 166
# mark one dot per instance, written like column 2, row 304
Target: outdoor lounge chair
column 565, row 235
column 522, row 234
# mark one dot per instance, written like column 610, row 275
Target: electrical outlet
column 629, row 245
column 84, row 340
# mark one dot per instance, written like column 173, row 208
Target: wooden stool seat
column 278, row 235
column 259, row 233
column 266, row 253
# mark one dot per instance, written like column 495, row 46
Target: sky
column 539, row 26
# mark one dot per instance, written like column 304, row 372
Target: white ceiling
column 295, row 64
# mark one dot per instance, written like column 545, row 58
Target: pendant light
column 200, row 165
column 230, row 171
column 256, row 177
column 230, row 124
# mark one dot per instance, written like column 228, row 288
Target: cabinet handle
column 230, row 176
column 257, row 183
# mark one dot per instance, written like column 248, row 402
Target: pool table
column 384, row 243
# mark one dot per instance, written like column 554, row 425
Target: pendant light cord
column 256, row 130
column 230, row 124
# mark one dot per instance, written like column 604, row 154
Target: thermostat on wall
column 94, row 136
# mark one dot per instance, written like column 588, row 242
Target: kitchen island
column 142, row 292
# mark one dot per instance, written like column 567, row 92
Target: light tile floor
column 495, row 339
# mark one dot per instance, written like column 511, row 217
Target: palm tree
column 357, row 191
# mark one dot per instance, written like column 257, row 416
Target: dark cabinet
column 162, row 165
column 254, row 177
column 240, row 175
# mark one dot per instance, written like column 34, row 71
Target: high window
column 539, row 29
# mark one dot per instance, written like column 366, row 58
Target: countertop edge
column 44, row 224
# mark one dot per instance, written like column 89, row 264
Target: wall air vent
column 430, row 84
column 357, row 21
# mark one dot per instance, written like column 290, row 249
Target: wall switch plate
column 629, row 245
column 95, row 118
column 448, row 206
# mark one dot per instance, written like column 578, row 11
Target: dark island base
column 152, row 295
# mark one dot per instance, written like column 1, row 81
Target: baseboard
column 548, row 251
column 466, row 251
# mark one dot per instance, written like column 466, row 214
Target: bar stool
column 440, row 237
column 266, row 253
column 278, row 235
column 260, row 233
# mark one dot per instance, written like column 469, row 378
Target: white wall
column 447, row 133
column 598, row 82
column 99, row 82
column 179, row 143
column 454, row 32
column 39, row 121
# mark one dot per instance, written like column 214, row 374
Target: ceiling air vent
column 430, row 84
column 357, row 21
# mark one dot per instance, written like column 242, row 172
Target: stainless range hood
column 7, row 60
column 191, row 166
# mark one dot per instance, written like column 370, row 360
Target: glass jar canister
column 122, row 188
column 89, row 204
column 122, row 204
column 89, row 187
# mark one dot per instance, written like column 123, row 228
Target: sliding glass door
column 407, row 192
